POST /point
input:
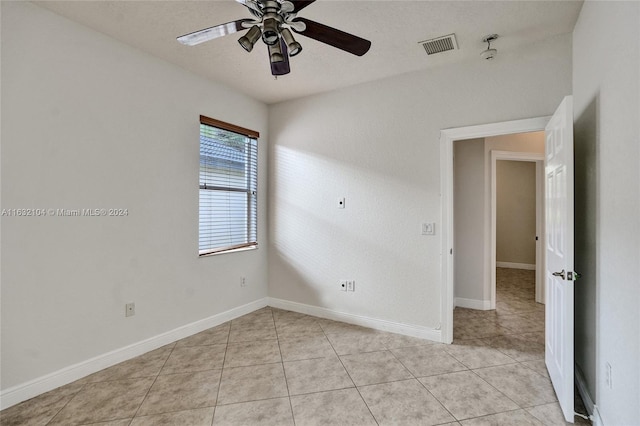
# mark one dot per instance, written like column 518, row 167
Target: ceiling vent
column 440, row 44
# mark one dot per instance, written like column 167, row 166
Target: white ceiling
column 394, row 28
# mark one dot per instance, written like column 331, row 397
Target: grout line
column 65, row 405
column 284, row 371
column 154, row 382
column 352, row 381
column 224, row 359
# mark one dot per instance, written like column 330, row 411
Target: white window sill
column 236, row 250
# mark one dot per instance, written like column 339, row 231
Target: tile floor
column 274, row 367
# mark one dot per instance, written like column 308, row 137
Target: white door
column 559, row 274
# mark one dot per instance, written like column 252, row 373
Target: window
column 228, row 187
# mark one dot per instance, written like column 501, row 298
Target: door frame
column 447, row 137
column 538, row 159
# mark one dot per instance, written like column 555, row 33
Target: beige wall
column 516, row 212
column 468, row 222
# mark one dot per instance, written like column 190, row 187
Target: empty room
column 288, row 212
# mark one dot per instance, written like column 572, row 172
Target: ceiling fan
column 272, row 21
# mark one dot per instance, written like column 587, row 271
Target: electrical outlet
column 608, row 376
column 129, row 309
column 351, row 285
column 243, row 282
column 343, row 285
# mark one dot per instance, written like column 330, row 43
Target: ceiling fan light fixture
column 270, row 31
column 248, row 40
column 292, row 44
column 275, row 53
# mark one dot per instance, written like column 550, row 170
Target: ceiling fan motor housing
column 271, row 22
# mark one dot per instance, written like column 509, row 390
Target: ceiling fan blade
column 252, row 5
column 300, row 4
column 281, row 68
column 334, row 37
column 207, row 34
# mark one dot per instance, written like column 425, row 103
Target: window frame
column 252, row 134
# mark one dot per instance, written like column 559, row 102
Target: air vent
column 440, row 44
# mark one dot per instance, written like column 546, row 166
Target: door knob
column 559, row 274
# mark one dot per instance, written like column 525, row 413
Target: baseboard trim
column 40, row 385
column 483, row 305
column 592, row 408
column 378, row 324
column 512, row 265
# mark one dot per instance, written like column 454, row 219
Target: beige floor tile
column 270, row 412
column 282, row 314
column 356, row 341
column 538, row 366
column 404, row 403
column 466, row 395
column 243, row 354
column 249, row 332
column 183, row 391
column 524, row 386
column 331, row 326
column 197, row 417
column 242, row 384
column 41, row 409
column 475, row 354
column 104, row 401
column 520, row 323
column 316, row 375
column 394, row 341
column 518, row 347
column 298, row 328
column 374, row 367
column 306, row 347
column 341, row 407
column 428, row 360
column 517, row 417
column 213, row 336
column 189, row 359
column 254, row 319
column 478, row 328
column 121, row 422
column 146, row 365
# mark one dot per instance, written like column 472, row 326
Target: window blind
column 228, row 187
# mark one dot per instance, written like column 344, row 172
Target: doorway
column 447, row 139
column 517, row 243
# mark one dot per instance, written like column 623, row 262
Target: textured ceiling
column 394, row 28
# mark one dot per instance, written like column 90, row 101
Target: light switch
column 429, row 228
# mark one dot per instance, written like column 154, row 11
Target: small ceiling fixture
column 272, row 22
column 490, row 53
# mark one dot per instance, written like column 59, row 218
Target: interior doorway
column 516, row 242
column 447, row 139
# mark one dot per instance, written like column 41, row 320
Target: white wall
column 468, row 222
column 377, row 144
column 516, row 212
column 606, row 88
column 88, row 122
